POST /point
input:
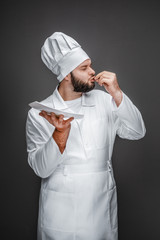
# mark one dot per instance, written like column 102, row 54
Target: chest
column 94, row 129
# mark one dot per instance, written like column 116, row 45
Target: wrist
column 60, row 137
column 118, row 97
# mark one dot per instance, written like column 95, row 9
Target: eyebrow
column 86, row 65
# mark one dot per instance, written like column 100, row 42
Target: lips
column 92, row 79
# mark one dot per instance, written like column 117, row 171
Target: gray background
column 119, row 36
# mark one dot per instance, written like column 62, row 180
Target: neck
column 67, row 93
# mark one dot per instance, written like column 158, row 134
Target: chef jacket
column 78, row 196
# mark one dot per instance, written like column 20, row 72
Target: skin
column 85, row 74
column 62, row 128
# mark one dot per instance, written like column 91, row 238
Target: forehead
column 86, row 62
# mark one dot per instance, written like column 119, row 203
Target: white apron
column 82, row 204
column 78, row 198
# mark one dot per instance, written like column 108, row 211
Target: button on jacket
column 78, row 196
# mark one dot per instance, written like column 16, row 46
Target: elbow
column 44, row 172
column 141, row 134
column 142, row 130
column 40, row 169
column 41, row 172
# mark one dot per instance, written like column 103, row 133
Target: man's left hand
column 110, row 83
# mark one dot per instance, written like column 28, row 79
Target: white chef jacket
column 75, row 104
column 78, row 197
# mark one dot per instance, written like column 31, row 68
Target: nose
column 91, row 72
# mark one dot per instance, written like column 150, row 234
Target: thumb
column 69, row 120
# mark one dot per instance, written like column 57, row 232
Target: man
column 78, row 198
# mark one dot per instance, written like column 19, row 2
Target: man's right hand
column 62, row 128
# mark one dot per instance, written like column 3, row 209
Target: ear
column 68, row 77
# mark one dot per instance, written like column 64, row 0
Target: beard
column 80, row 86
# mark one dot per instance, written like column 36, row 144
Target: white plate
column 41, row 107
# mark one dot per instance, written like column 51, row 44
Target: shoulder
column 48, row 101
column 33, row 114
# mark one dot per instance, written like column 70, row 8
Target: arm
column 60, row 138
column 45, row 150
column 127, row 118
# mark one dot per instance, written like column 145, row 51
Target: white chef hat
column 62, row 54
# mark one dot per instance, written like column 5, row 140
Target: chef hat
column 62, row 54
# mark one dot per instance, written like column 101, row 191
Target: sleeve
column 128, row 119
column 43, row 152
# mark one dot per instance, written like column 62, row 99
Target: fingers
column 53, row 116
column 69, row 120
column 61, row 116
column 99, row 75
column 107, row 78
column 104, row 74
column 54, row 119
column 45, row 115
column 49, row 117
column 104, row 80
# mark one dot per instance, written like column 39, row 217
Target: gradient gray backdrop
column 119, row 36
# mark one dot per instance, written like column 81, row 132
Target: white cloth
column 62, row 54
column 78, row 198
column 75, row 104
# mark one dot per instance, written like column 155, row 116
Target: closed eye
column 85, row 66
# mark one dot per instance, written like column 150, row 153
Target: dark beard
column 79, row 86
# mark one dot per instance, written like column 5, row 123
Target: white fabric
column 78, row 197
column 74, row 105
column 62, row 54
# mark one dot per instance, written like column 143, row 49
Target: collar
column 59, row 103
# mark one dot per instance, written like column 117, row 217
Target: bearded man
column 73, row 156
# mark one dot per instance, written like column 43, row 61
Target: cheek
column 82, row 75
